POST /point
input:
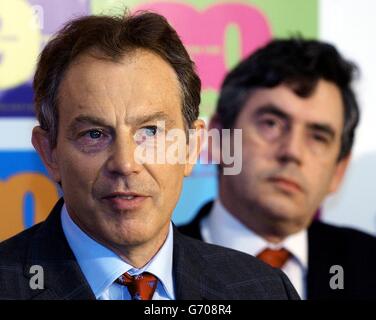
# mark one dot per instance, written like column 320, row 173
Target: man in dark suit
column 293, row 101
column 110, row 93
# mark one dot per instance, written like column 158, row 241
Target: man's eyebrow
column 92, row 120
column 156, row 116
column 88, row 120
column 324, row 128
column 271, row 109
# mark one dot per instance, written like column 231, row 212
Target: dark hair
column 299, row 64
column 112, row 37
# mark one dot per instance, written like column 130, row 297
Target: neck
column 139, row 255
column 136, row 254
column 266, row 225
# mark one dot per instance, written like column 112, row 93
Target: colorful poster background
column 217, row 34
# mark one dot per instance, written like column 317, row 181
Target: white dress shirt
column 222, row 228
column 102, row 267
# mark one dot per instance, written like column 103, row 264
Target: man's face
column 290, row 150
column 106, row 110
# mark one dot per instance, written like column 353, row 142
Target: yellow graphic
column 12, row 192
column 20, row 39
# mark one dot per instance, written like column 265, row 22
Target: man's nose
column 291, row 147
column 122, row 160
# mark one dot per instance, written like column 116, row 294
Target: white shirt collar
column 222, row 228
column 102, row 267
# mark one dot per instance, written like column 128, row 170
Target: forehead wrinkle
column 87, row 119
column 156, row 116
column 96, row 101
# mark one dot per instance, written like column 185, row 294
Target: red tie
column 140, row 287
column 275, row 258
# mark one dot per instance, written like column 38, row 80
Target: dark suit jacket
column 327, row 246
column 201, row 271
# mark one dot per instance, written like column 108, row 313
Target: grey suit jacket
column 201, row 271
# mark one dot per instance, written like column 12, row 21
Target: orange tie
column 140, row 287
column 275, row 258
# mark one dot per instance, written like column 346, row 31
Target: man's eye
column 270, row 122
column 320, row 138
column 147, row 134
column 93, row 140
column 150, row 131
column 94, row 134
column 270, row 128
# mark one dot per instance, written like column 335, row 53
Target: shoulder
column 340, row 235
column 41, row 234
column 354, row 251
column 13, row 257
column 15, row 247
column 216, row 254
column 242, row 274
column 348, row 247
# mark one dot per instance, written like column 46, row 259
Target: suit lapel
column 192, row 282
column 63, row 278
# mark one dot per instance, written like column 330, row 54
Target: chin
column 134, row 232
column 283, row 211
column 121, row 238
column 289, row 222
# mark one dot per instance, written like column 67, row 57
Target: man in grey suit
column 294, row 103
column 109, row 92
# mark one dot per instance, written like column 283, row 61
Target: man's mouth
column 121, row 197
column 124, row 200
column 286, row 183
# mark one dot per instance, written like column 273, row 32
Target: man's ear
column 41, row 143
column 195, row 145
column 339, row 173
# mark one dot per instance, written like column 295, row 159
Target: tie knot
column 141, row 286
column 275, row 258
